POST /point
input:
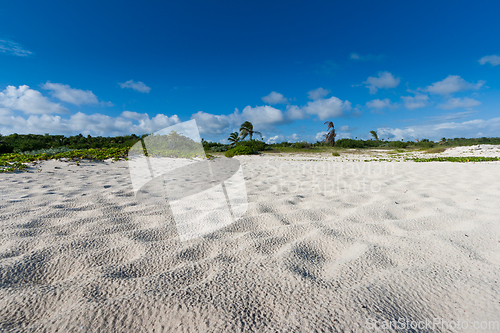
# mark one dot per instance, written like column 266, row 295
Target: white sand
column 324, row 246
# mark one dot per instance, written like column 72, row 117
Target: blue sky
column 410, row 70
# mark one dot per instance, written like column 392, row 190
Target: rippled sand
column 324, row 246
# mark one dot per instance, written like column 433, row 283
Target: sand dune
column 323, row 246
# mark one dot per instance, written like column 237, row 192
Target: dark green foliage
column 21, row 143
column 239, row 150
column 283, row 144
column 425, row 144
column 208, row 145
column 350, row 143
column 470, row 142
column 255, row 145
column 398, row 144
column 219, row 149
column 246, row 129
column 301, row 145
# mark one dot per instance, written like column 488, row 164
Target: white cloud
column 275, row 139
column 318, row 93
column 137, row 86
column 320, row 136
column 453, row 103
column 212, row 124
column 493, row 60
column 452, row 84
column 380, row 104
column 260, row 116
column 10, row 47
column 327, row 108
column 471, row 128
column 415, row 102
column 94, row 124
column 293, row 138
column 275, row 98
column 384, row 80
column 294, row 112
column 28, row 101
column 67, row 94
column 263, row 115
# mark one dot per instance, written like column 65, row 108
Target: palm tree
column 330, row 136
column 247, row 129
column 233, row 138
column 374, row 134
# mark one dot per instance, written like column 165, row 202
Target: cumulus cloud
column 320, row 136
column 471, row 128
column 93, row 124
column 137, row 86
column 262, row 116
column 212, row 124
column 294, row 112
column 415, row 102
column 318, row 93
column 328, row 108
column 453, row 103
column 28, row 101
column 275, row 139
column 452, row 84
column 266, row 115
column 67, row 94
column 275, row 98
column 379, row 104
column 384, row 80
column 493, row 60
column 12, row 48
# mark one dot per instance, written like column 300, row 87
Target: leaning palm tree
column 374, row 134
column 246, row 129
column 330, row 136
column 233, row 138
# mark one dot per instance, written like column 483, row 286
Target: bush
column 349, row 143
column 425, row 144
column 239, row 150
column 255, row 145
column 398, row 144
column 335, row 154
column 219, row 149
column 301, row 145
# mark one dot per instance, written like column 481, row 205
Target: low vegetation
column 16, row 151
column 458, row 159
column 239, row 150
column 18, row 162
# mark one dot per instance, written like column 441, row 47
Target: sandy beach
column 327, row 244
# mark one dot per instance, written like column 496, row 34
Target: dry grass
column 435, row 150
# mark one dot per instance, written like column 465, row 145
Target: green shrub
column 335, row 154
column 425, row 144
column 219, row 149
column 349, row 143
column 398, row 144
column 239, row 150
column 255, row 145
column 301, row 145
